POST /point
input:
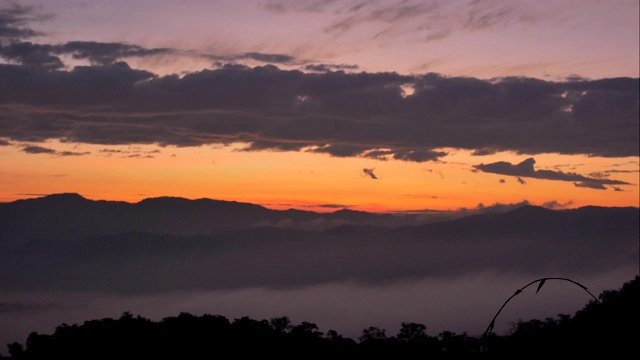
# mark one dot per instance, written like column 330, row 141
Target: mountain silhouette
column 67, row 242
column 71, row 216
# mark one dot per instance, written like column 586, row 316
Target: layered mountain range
column 67, row 242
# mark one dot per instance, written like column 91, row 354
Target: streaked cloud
column 427, row 20
column 590, row 185
column 38, row 150
column 43, row 150
column 526, row 169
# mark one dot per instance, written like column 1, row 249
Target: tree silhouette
column 606, row 328
column 372, row 334
column 412, row 333
column 280, row 324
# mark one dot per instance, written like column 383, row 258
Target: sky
column 382, row 106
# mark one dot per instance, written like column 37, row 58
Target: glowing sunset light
column 283, row 180
column 407, row 137
column 319, row 116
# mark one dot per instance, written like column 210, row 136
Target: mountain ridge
column 68, row 216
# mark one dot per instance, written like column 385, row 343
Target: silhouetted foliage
column 413, row 339
column 280, row 324
column 607, row 328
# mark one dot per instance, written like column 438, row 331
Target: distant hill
column 71, row 216
column 71, row 243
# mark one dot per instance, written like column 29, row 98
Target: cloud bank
column 317, row 108
column 337, row 113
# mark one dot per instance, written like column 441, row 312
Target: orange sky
column 301, row 180
column 502, row 78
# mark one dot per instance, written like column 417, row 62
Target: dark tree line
column 609, row 327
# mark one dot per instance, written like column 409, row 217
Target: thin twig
column 541, row 281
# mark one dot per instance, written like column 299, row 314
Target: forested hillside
column 608, row 327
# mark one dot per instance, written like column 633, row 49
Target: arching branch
column 541, row 282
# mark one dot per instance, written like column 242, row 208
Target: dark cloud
column 73, row 153
column 369, row 173
column 43, row 150
column 106, row 53
column 38, row 150
column 235, row 60
column 64, row 90
column 14, row 17
column 340, row 150
column 337, row 113
column 329, row 67
column 526, row 169
column 29, row 54
column 483, row 152
column 139, row 156
column 406, row 155
column 591, row 185
column 268, row 58
column 521, row 180
column 502, row 181
column 621, row 171
column 46, row 56
column 419, row 155
column 4, row 143
column 599, row 175
column 273, row 145
column 97, row 53
column 378, row 154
